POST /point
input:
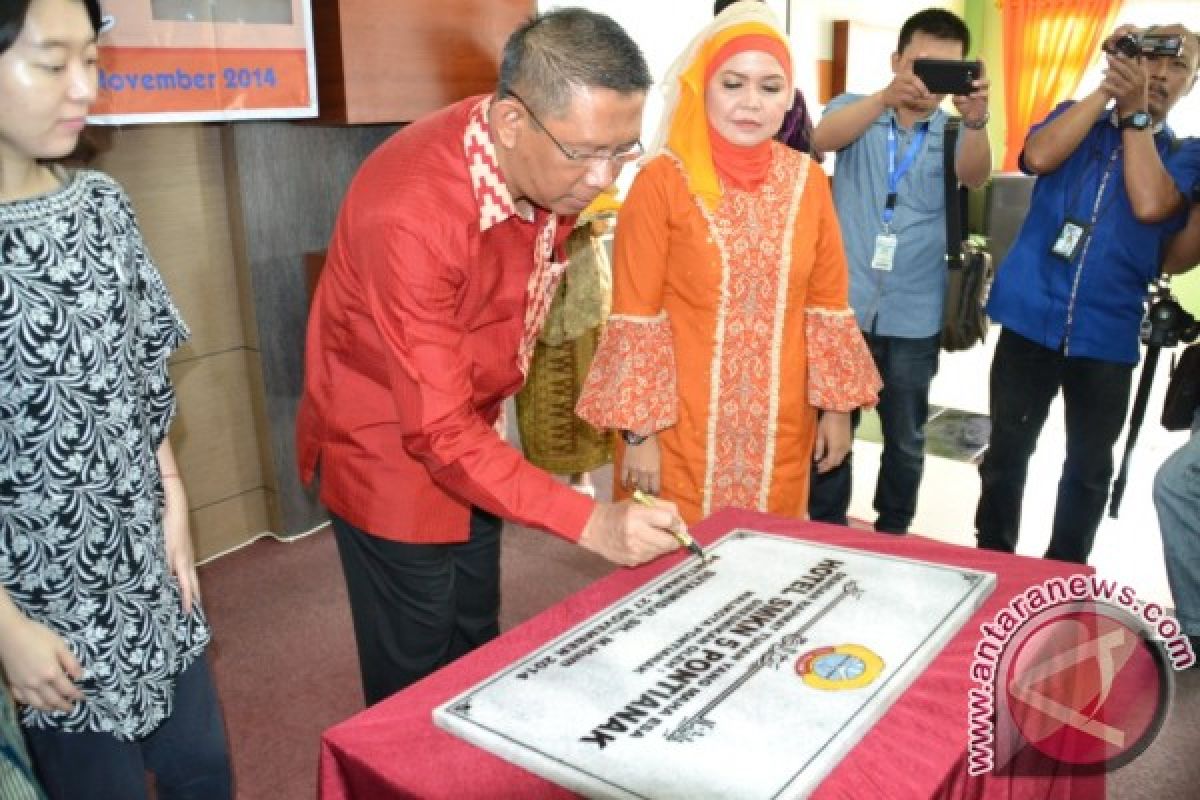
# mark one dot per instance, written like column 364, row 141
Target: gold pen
column 679, row 531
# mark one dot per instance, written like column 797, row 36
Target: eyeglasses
column 618, row 157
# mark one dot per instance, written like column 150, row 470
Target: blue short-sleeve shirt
column 1092, row 305
column 907, row 300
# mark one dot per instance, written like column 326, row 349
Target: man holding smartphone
column 890, row 195
column 1108, row 200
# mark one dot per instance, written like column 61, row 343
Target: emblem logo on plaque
column 846, row 666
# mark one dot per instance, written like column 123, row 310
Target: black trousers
column 907, row 367
column 417, row 607
column 187, row 753
column 1024, row 379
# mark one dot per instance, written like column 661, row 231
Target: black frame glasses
column 619, row 158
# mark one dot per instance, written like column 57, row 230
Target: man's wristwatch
column 980, row 125
column 1138, row 121
column 632, row 438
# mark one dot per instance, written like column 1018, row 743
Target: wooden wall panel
column 225, row 525
column 288, row 181
column 841, row 56
column 824, row 81
column 214, row 434
column 394, row 61
column 175, row 178
column 258, row 395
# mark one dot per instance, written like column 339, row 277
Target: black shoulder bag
column 1183, row 392
column 964, row 323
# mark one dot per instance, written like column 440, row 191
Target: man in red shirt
column 445, row 256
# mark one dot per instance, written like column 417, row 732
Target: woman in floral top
column 101, row 635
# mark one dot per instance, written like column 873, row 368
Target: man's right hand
column 41, row 669
column 630, row 534
column 905, row 90
column 1127, row 81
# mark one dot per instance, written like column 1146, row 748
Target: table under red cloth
column 916, row 750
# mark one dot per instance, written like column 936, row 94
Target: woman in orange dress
column 730, row 326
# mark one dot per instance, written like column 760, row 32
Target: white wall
column 1185, row 117
column 663, row 29
column 814, row 21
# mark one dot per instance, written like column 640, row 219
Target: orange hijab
column 685, row 132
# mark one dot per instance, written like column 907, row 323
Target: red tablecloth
column 917, row 750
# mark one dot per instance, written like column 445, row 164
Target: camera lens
column 1127, row 45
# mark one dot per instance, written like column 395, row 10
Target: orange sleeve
column 829, row 282
column 640, row 249
column 632, row 383
column 841, row 373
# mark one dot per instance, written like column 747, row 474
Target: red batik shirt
column 433, row 292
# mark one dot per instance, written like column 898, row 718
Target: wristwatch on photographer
column 633, row 439
column 1138, row 121
column 979, row 124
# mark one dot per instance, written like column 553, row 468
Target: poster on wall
column 201, row 60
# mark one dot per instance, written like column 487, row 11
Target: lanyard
column 896, row 173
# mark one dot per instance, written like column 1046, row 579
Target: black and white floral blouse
column 86, row 327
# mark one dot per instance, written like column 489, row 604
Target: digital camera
column 1152, row 45
column 1167, row 323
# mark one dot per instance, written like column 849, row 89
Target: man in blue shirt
column 890, row 197
column 1108, row 197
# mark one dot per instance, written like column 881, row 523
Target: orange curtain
column 1048, row 44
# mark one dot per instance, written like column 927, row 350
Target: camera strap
column 956, row 196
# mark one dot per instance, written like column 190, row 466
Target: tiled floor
column 1127, row 549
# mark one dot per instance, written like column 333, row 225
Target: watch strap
column 1138, row 121
column 980, row 125
column 632, row 438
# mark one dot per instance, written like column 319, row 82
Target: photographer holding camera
column 1177, row 483
column 889, row 189
column 1070, row 293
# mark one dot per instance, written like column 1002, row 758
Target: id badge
column 885, row 252
column 1070, row 239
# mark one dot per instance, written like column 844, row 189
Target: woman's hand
column 181, row 559
column 642, row 466
column 835, row 434
column 41, row 669
column 177, row 536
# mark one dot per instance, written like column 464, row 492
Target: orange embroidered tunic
column 730, row 328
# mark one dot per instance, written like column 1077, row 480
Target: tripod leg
column 1140, row 401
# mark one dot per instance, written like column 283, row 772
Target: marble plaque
column 747, row 677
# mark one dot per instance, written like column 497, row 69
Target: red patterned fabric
column 495, row 206
column 491, row 193
column 631, row 384
column 543, row 282
column 841, row 373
